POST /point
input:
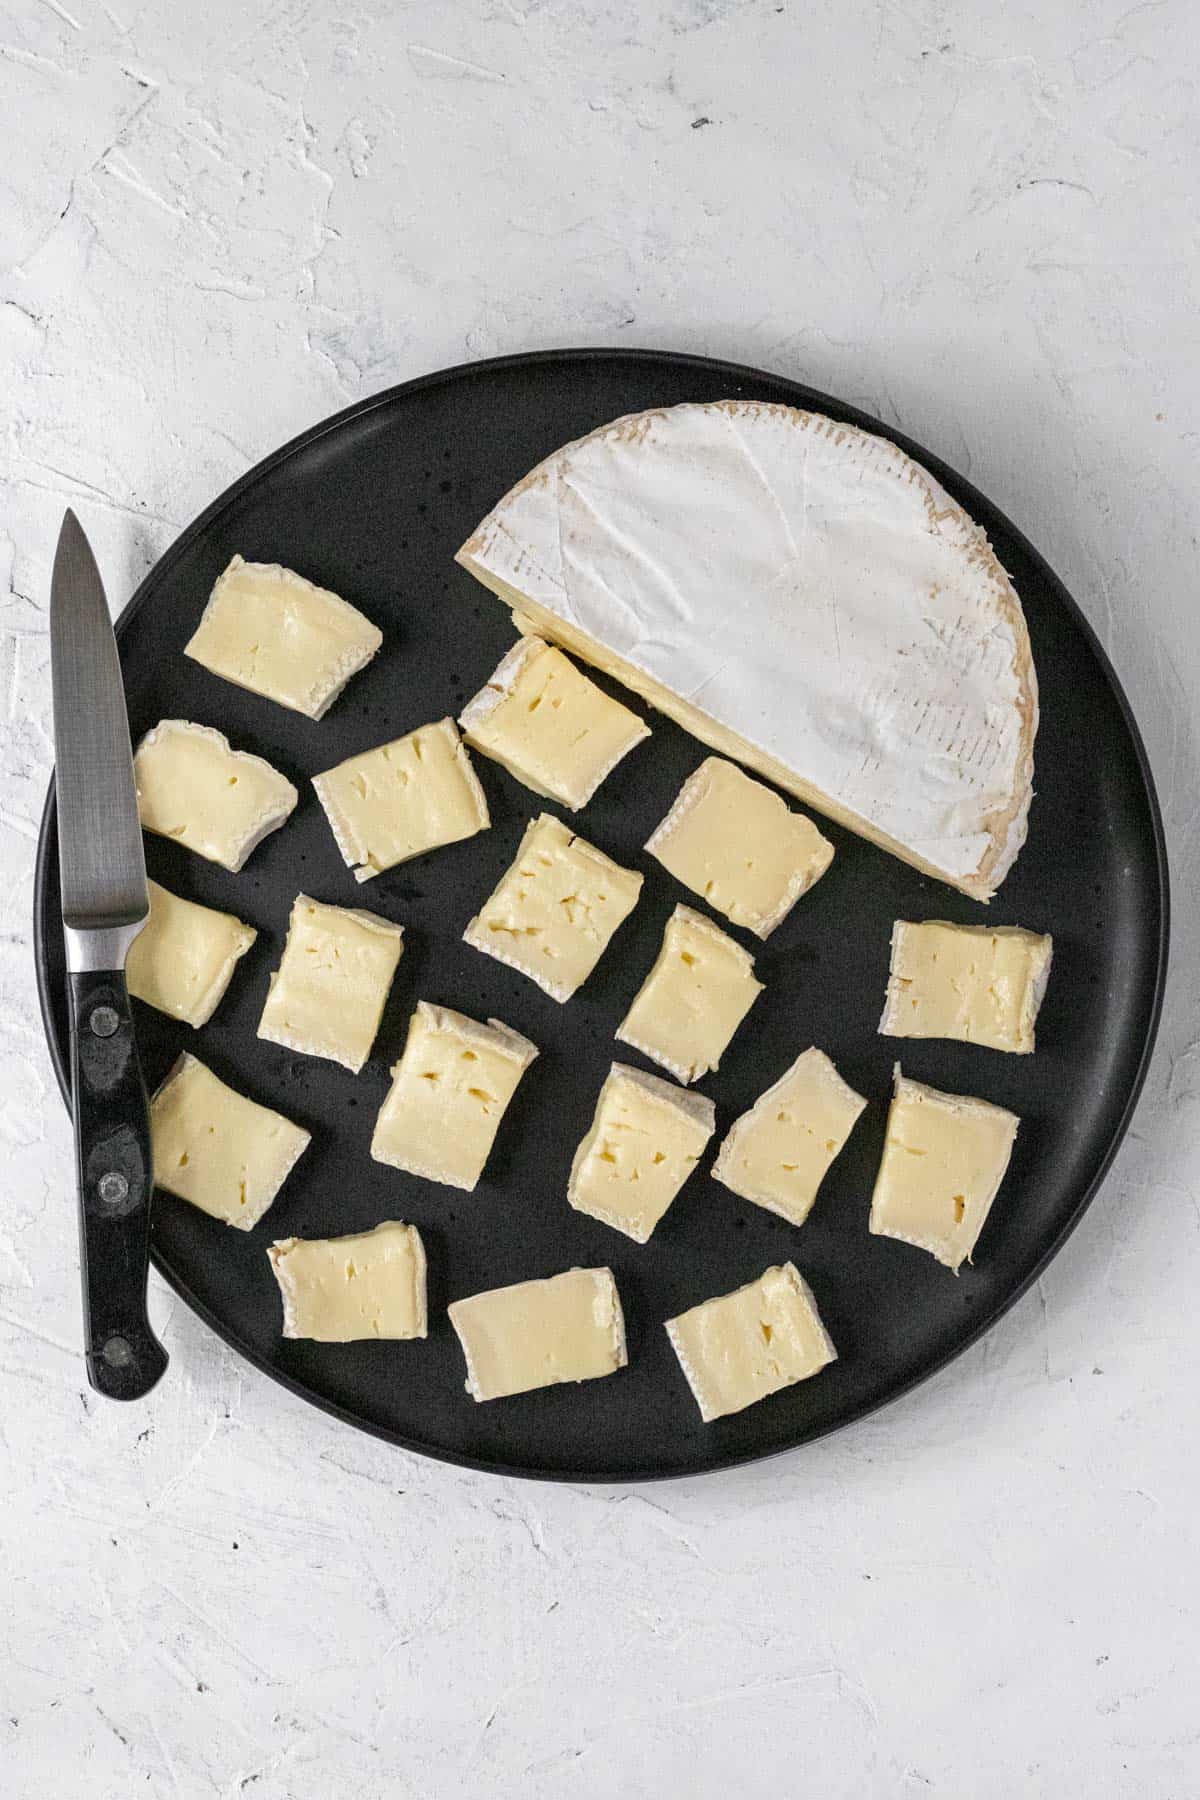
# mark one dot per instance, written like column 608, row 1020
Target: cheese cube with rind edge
column 267, row 629
column 979, row 984
column 217, row 1148
column 944, row 1158
column 803, row 597
column 780, row 1151
column 698, row 992
column 328, row 994
column 450, row 1090
column 366, row 1285
column 192, row 786
column 402, row 799
column 534, row 1334
column 549, row 725
column 183, row 959
column 743, row 1347
column 645, row 1140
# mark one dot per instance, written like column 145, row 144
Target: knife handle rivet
column 112, row 1188
column 104, row 1021
column 116, row 1352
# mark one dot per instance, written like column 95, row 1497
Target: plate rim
column 809, row 399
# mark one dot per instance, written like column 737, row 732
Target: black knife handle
column 116, row 1178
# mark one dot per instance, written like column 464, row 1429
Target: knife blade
column 102, row 878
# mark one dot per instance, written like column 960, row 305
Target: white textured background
column 218, row 223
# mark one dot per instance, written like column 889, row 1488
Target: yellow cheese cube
column 218, row 1149
column 944, row 1158
column 741, row 1347
column 545, row 722
column 982, row 984
column 219, row 802
column 448, row 1095
column 646, row 1138
column 537, row 1333
column 737, row 845
column 552, row 915
column 700, row 989
column 402, row 799
column 183, row 958
column 368, row 1284
column 267, row 629
column 328, row 994
column 779, row 1153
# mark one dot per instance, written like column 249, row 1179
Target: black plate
column 373, row 504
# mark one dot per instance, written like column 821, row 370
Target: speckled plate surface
column 373, row 504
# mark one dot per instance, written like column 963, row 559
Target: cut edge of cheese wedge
column 270, row 817
column 300, row 1303
column 803, row 597
column 361, row 639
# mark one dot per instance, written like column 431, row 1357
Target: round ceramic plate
column 373, row 504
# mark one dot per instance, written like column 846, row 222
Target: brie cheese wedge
column 646, row 1138
column 327, row 996
column 369, row 1284
column 219, row 1149
column 982, row 984
column 700, row 989
column 779, row 1153
column 804, row 598
column 183, row 959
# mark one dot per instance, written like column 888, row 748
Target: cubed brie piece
column 448, row 1095
column 541, row 719
column 944, row 1158
column 218, row 1149
column 779, row 1153
column 267, row 629
column 219, row 802
column 740, row 1347
column 552, row 914
column 183, row 958
column 645, row 1140
column 700, row 989
column 567, row 1328
column 328, row 994
column 982, row 984
column 737, row 845
column 369, row 1284
column 402, row 799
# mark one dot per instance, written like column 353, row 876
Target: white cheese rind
column 742, row 1347
column 549, row 725
column 267, row 629
column 194, row 788
column 534, row 1334
column 979, row 984
column 217, row 1148
column 366, row 1285
column 328, row 994
column 183, row 959
column 803, row 597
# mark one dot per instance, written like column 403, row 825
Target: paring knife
column 104, row 906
